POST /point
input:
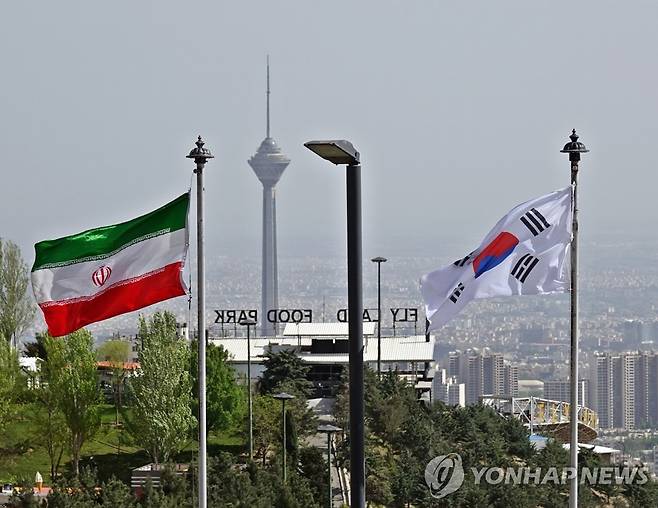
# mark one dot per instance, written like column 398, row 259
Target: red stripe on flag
column 63, row 318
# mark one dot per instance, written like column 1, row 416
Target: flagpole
column 201, row 156
column 574, row 149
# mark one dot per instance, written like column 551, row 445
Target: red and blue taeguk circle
column 494, row 253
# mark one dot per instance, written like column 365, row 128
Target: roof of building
column 598, row 449
column 394, row 349
column 329, row 330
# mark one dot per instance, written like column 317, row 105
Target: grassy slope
column 29, row 458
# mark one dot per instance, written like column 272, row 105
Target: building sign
column 290, row 316
column 405, row 315
column 235, row 316
column 225, row 316
column 341, row 315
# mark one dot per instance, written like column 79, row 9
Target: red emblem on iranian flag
column 101, row 275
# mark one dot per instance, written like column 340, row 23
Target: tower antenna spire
column 268, row 96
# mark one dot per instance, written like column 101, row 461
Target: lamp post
column 329, row 430
column 249, row 323
column 379, row 260
column 283, row 397
column 343, row 152
column 201, row 156
column 574, row 148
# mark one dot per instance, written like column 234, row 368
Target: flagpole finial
column 200, row 154
column 574, row 148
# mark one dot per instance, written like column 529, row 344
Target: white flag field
column 526, row 253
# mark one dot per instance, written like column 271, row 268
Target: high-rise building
column 646, row 388
column 628, row 363
column 483, row 373
column 472, row 377
column 268, row 164
column 626, row 390
column 449, row 391
column 455, row 363
column 511, row 386
column 493, row 380
column 604, row 390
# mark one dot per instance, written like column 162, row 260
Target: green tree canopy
column 161, row 389
column 114, row 351
column 72, row 379
column 12, row 382
column 285, row 367
column 16, row 306
column 51, row 430
column 225, row 399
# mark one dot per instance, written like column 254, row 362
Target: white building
column 324, row 346
column 448, row 390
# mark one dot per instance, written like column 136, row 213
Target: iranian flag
column 107, row 271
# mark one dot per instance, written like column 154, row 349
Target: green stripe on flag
column 106, row 241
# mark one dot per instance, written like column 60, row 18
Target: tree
column 50, row 427
column 117, row 494
column 267, row 425
column 11, row 381
column 72, row 378
column 37, row 348
column 117, row 354
column 285, row 366
column 161, row 389
column 225, row 398
column 313, row 467
column 230, row 484
column 16, row 307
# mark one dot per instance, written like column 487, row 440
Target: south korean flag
column 526, row 253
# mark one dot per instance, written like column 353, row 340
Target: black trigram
column 456, row 293
column 464, row 260
column 524, row 266
column 535, row 221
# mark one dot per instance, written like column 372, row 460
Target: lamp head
column 337, row 151
column 329, row 429
column 283, row 396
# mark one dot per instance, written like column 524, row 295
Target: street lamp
column 329, row 430
column 201, row 156
column 283, row 397
column 249, row 323
column 379, row 260
column 343, row 152
column 574, row 148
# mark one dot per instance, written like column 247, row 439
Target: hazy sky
column 459, row 110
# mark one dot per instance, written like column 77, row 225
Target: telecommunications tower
column 269, row 163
